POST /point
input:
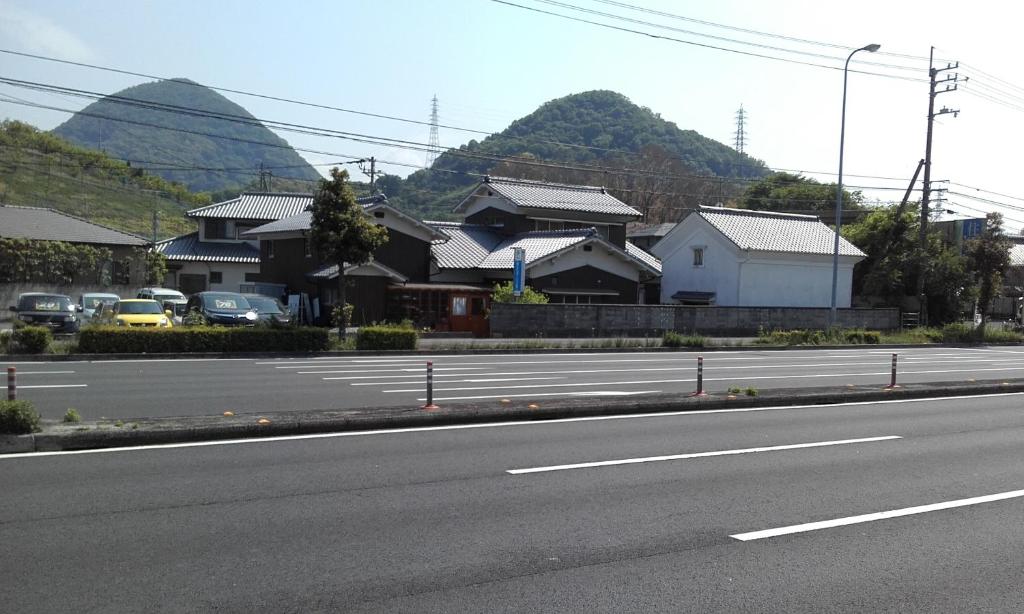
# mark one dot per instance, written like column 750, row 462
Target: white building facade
column 739, row 258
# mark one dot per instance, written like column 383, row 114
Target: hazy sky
column 489, row 63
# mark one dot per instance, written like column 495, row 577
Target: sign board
column 973, row 227
column 518, row 271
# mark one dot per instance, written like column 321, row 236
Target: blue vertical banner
column 518, row 271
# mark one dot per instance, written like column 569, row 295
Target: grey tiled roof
column 188, row 248
column 466, row 247
column 256, row 206
column 776, row 232
column 1017, row 255
column 303, row 219
column 51, row 225
column 538, row 244
column 556, row 196
column 654, row 230
column 330, row 271
column 639, row 254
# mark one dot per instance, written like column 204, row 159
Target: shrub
column 672, row 339
column 386, row 338
column 119, row 340
column 18, row 417
column 72, row 416
column 958, row 333
column 734, row 389
column 750, row 392
column 30, row 340
column 832, row 336
column 5, row 341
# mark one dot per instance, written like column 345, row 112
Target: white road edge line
column 487, row 425
column 907, row 511
column 20, row 387
column 670, row 457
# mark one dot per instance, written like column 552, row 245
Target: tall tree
column 789, row 193
column 988, row 256
column 342, row 232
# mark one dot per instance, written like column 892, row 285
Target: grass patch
column 71, row 416
column 672, row 339
column 830, row 336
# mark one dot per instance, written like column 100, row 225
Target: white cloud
column 26, row 31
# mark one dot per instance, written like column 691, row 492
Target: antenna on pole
column 434, row 144
column 265, row 178
column 741, row 135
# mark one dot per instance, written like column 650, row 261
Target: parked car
column 269, row 309
column 90, row 303
column 139, row 312
column 171, row 300
column 223, row 308
column 55, row 311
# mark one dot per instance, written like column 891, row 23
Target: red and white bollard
column 892, row 380
column 12, row 384
column 700, row 378
column 430, row 387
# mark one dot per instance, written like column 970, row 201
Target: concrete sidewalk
column 106, row 434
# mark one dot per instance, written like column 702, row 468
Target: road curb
column 11, row 358
column 156, row 431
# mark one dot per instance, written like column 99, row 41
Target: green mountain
column 38, row 169
column 151, row 135
column 591, row 129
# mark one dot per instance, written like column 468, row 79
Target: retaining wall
column 512, row 320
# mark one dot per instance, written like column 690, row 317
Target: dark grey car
column 55, row 311
column 269, row 309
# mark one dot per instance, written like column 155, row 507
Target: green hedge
column 386, row 338
column 672, row 339
column 117, row 340
column 30, row 340
column 18, row 418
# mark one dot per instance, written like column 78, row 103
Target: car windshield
column 140, row 307
column 265, row 304
column 226, row 302
column 45, row 302
column 179, row 309
column 92, row 302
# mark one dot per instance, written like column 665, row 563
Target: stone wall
column 510, row 320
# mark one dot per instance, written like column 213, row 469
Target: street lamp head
column 873, row 47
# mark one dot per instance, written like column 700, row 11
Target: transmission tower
column 434, row 145
column 741, row 135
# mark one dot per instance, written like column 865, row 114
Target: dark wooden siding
column 510, row 222
column 407, row 255
column 589, row 278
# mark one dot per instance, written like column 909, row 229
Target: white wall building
column 734, row 257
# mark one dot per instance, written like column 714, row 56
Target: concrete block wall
column 511, row 320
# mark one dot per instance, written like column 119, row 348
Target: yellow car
column 140, row 312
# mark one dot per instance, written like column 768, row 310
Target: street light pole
column 833, row 314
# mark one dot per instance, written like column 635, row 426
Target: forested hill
column 178, row 153
column 596, row 128
column 38, row 169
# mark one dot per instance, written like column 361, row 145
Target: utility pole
column 372, row 173
column 933, row 91
column 156, row 225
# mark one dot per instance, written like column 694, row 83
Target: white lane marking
column 20, row 387
column 671, row 457
column 487, row 425
column 638, row 370
column 906, row 511
column 706, row 379
column 20, row 373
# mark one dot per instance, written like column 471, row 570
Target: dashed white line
column 671, row 457
column 906, row 511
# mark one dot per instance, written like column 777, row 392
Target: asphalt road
column 151, row 388
column 446, row 520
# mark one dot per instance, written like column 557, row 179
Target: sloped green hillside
column 38, row 169
column 592, row 128
column 202, row 156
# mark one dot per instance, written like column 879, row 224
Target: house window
column 216, row 229
column 698, row 256
column 239, row 229
column 216, row 277
column 270, row 248
column 252, row 277
column 459, row 305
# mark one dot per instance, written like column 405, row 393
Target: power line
column 696, row 44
